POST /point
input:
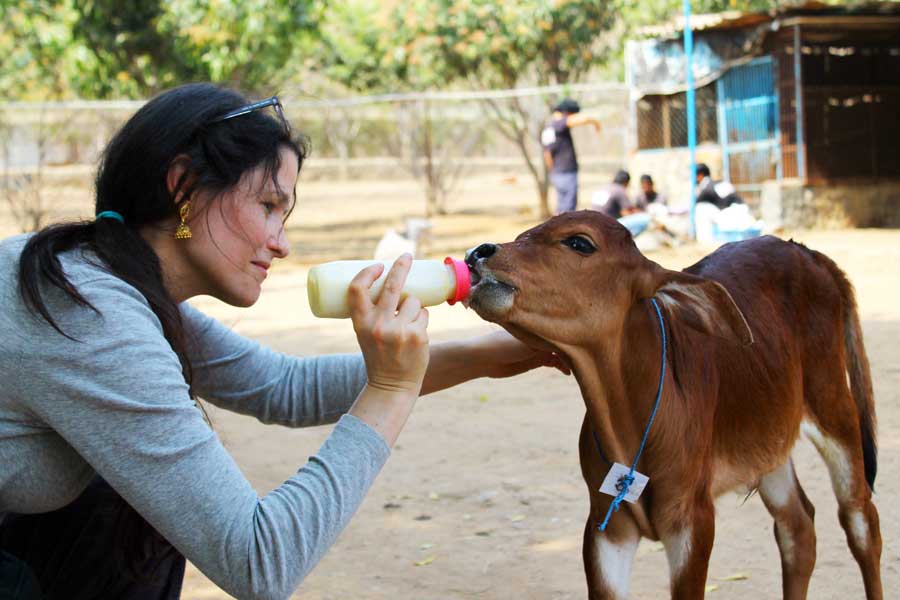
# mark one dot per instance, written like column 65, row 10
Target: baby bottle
column 431, row 281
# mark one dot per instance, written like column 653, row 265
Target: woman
column 109, row 473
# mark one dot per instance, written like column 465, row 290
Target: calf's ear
column 704, row 305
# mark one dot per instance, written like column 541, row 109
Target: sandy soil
column 483, row 497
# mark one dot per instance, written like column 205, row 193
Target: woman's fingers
column 409, row 309
column 358, row 293
column 389, row 298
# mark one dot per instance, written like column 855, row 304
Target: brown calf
column 761, row 338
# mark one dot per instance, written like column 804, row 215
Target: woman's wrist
column 385, row 411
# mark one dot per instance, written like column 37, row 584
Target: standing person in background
column 559, row 152
column 110, row 477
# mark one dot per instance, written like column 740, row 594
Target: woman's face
column 237, row 236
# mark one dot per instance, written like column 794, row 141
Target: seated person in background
column 720, row 194
column 614, row 202
column 648, row 194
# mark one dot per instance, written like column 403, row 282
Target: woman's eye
column 580, row 244
column 269, row 207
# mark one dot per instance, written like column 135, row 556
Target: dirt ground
column 482, row 497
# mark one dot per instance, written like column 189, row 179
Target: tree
column 136, row 48
column 253, row 44
column 121, row 51
column 357, row 44
column 489, row 45
column 34, row 42
column 353, row 37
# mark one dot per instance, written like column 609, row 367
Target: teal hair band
column 110, row 214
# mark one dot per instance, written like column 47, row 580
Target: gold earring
column 184, row 232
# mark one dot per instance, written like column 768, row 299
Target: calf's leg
column 837, row 437
column 688, row 548
column 794, row 529
column 609, row 555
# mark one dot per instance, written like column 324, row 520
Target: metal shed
column 803, row 101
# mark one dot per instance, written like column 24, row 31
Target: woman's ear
column 178, row 176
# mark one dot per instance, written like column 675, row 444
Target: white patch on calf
column 615, row 561
column 785, row 544
column 778, row 486
column 678, row 550
column 859, row 529
column 729, row 477
column 835, row 457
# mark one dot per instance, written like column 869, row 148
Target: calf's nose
column 482, row 251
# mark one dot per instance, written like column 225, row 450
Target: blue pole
column 798, row 102
column 691, row 109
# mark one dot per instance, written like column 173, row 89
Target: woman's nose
column 278, row 244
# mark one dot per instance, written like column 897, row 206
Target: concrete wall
column 790, row 204
column 670, row 170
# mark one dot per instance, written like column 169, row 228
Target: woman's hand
column 392, row 336
column 391, row 332
column 502, row 355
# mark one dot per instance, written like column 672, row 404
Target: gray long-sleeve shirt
column 115, row 403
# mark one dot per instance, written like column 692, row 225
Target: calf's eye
column 580, row 244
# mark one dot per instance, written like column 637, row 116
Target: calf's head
column 573, row 280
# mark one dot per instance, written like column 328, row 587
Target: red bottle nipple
column 463, row 280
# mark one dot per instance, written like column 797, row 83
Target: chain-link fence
column 433, row 137
column 662, row 119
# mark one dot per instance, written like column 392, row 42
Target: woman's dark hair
column 179, row 124
column 702, row 169
column 646, row 179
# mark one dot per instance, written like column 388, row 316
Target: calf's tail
column 857, row 365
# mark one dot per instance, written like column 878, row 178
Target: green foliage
column 135, row 48
column 54, row 49
column 33, row 42
column 120, row 51
column 492, row 44
column 251, row 43
column 352, row 42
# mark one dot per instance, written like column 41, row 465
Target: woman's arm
column 118, row 398
column 243, row 376
column 496, row 354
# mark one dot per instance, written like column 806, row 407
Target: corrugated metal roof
column 702, row 22
column 734, row 19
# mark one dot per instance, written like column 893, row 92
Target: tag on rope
column 618, row 473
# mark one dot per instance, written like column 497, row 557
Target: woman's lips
column 263, row 268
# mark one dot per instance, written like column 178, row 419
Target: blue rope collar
column 626, row 480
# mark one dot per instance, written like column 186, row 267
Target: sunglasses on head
column 249, row 108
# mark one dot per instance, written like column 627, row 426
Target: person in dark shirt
column 559, row 152
column 720, row 194
column 613, row 201
column 648, row 194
